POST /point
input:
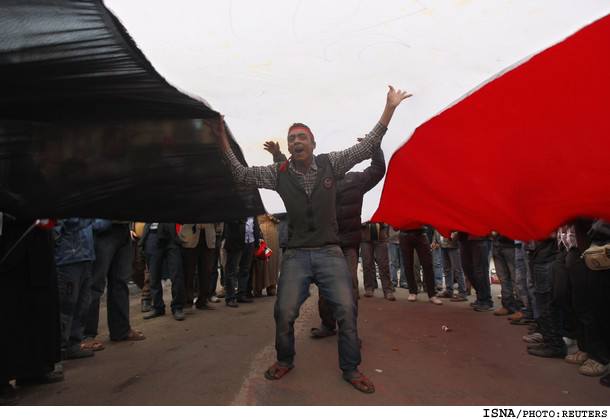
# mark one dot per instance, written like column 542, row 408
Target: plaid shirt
column 341, row 162
column 566, row 236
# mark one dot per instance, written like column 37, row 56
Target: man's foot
column 56, row 375
column 577, row 358
column 203, row 305
column 76, row 352
column 404, row 286
column 362, row 383
column 178, row 314
column 445, row 295
column 533, row 338
column 155, row 312
column 8, row 396
column 548, row 352
column 436, row 300
column 390, row 297
column 244, row 300
column 322, row 331
column 92, row 344
column 146, row 306
column 231, row 303
column 459, row 298
column 592, row 368
column 483, row 308
column 214, row 299
column 412, row 297
column 503, row 312
column 368, row 293
column 516, row 315
column 277, row 371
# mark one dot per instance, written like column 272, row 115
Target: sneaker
column 178, row 314
column 76, row 352
column 516, row 315
column 483, row 308
column 412, row 297
column 231, row 303
column 533, row 338
column 368, row 293
column 459, row 298
column 547, row 352
column 214, row 299
column 146, row 306
column 436, row 300
column 390, row 297
column 503, row 312
column 577, row 358
column 592, row 368
column 445, row 294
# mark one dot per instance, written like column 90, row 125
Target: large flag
column 88, row 127
column 522, row 154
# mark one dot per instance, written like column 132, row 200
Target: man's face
column 300, row 145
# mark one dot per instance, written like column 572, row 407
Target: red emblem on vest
column 328, row 183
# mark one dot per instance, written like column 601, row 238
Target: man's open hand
column 272, row 147
column 395, row 97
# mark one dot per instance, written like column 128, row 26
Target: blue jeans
column 113, row 255
column 504, row 261
column 397, row 262
column 523, row 291
column 549, row 313
column 157, row 252
column 452, row 266
column 475, row 262
column 239, row 263
column 74, row 282
column 438, row 267
column 327, row 268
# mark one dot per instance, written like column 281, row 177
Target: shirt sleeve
column 345, row 160
column 255, row 176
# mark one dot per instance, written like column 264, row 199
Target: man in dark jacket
column 350, row 193
column 241, row 237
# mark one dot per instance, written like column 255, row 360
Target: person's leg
column 204, row 261
column 381, row 255
column 243, row 273
column 549, row 320
column 332, row 276
column 504, row 258
column 422, row 246
column 562, row 296
column 233, row 259
column 367, row 254
column 68, row 282
column 351, row 259
column 82, row 303
column 155, row 254
column 480, row 255
column 417, row 270
column 174, row 265
column 190, row 257
column 448, row 270
column 293, row 286
column 118, row 284
column 104, row 251
column 468, row 265
column 394, row 250
column 402, row 280
column 406, row 248
column 438, row 268
column 458, row 273
column 138, row 265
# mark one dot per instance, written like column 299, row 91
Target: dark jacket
column 74, row 241
column 350, row 192
column 166, row 232
column 235, row 234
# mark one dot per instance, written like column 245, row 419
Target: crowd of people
column 321, row 239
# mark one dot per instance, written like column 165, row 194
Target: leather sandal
column 362, row 384
column 277, row 371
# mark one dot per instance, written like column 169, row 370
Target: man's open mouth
column 299, row 149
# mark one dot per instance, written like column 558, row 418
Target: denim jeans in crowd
column 74, row 282
column 475, row 262
column 113, row 255
column 396, row 262
column 524, row 289
column 438, row 267
column 157, row 252
column 549, row 315
column 327, row 268
column 504, row 261
column 452, row 266
column 239, row 263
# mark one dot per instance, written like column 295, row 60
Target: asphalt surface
column 218, row 358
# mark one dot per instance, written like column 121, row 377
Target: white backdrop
column 265, row 64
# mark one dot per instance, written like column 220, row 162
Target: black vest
column 312, row 221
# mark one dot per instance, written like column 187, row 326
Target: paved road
column 218, row 358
